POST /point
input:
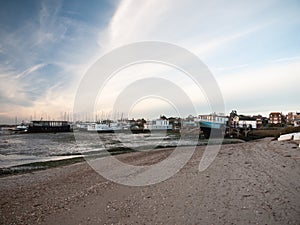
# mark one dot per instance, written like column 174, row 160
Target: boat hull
column 44, row 129
column 212, row 129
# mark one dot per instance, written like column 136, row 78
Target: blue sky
column 251, row 47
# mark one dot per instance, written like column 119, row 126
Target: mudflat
column 256, row 182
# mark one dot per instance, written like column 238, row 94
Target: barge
column 48, row 126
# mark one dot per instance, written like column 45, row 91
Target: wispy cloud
column 222, row 37
column 190, row 23
column 30, row 70
column 286, row 59
column 44, row 53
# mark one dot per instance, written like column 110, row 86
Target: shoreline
column 43, row 165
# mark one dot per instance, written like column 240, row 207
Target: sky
column 46, row 48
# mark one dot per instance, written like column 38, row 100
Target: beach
column 255, row 182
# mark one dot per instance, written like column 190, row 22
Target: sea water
column 19, row 149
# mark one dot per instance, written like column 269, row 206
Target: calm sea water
column 18, row 149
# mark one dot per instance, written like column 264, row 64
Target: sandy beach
column 255, row 182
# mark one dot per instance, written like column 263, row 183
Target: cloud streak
column 29, row 70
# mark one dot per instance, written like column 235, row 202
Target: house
column 233, row 119
column 276, row 118
column 261, row 121
column 290, row 118
column 190, row 122
column 175, row 122
column 247, row 122
column 297, row 119
column 293, row 118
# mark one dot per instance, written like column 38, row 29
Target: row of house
column 279, row 119
column 258, row 121
column 236, row 120
column 233, row 120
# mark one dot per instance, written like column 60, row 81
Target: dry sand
column 251, row 183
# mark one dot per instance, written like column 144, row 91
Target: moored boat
column 212, row 124
column 48, row 126
column 104, row 127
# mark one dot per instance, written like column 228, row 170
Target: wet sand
column 250, row 183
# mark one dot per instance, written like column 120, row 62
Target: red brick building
column 275, row 118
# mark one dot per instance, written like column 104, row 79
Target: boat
column 48, row 126
column 212, row 124
column 290, row 137
column 19, row 129
column 104, row 127
column 286, row 137
column 22, row 127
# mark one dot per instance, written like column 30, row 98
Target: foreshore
column 255, row 182
column 67, row 159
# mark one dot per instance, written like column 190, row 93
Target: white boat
column 292, row 136
column 297, row 136
column 104, row 127
column 286, row 137
column 22, row 128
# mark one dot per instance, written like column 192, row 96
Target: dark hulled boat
column 47, row 126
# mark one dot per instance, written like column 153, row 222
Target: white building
column 247, row 123
column 159, row 124
column 190, row 123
